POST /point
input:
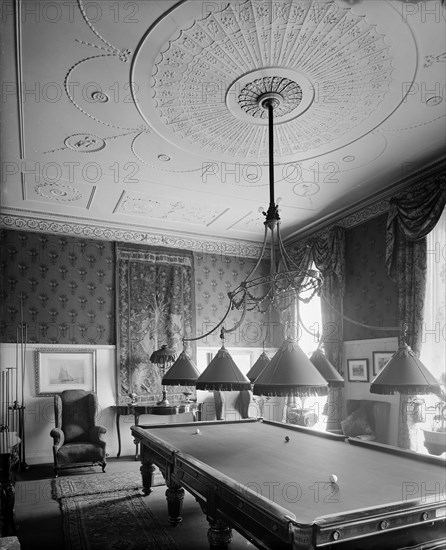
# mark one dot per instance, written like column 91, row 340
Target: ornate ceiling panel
column 145, row 119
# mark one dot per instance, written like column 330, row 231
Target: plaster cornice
column 375, row 206
column 92, row 230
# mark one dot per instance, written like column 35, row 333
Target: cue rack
column 12, row 385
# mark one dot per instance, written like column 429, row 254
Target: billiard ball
column 287, row 438
column 333, row 478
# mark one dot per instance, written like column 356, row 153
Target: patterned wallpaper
column 215, row 276
column 68, row 292
column 62, row 288
column 67, row 288
column 371, row 297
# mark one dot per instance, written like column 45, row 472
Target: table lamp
column 163, row 358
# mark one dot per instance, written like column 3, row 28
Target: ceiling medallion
column 336, row 65
column 286, row 93
column 292, row 91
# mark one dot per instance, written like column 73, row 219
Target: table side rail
column 306, row 430
column 195, row 424
column 377, row 520
column 405, row 453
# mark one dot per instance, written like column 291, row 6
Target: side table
column 9, row 456
column 138, row 409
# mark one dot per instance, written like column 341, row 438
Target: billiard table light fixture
column 328, row 371
column 405, row 374
column 290, row 374
column 285, row 281
column 258, row 367
column 222, row 373
column 183, row 372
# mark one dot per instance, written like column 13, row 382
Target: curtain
column 155, row 306
column 329, row 258
column 411, row 217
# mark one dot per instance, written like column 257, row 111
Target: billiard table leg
column 147, row 474
column 219, row 534
column 175, row 497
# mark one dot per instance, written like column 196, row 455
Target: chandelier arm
column 273, row 267
column 212, row 330
column 286, row 255
column 262, row 252
column 239, row 322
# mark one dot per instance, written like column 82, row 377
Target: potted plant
column 435, row 438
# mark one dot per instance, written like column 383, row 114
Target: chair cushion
column 72, row 453
column 76, row 419
column 357, row 424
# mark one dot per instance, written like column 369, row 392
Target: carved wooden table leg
column 175, row 497
column 219, row 535
column 7, row 498
column 147, row 474
column 147, row 470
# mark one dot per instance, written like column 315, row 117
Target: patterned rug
column 109, row 512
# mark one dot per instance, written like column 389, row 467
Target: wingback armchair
column 77, row 440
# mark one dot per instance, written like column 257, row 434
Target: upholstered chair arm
column 58, row 437
column 97, row 434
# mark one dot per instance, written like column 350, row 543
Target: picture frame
column 57, row 370
column 380, row 360
column 358, row 370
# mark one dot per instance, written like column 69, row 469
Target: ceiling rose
column 334, row 64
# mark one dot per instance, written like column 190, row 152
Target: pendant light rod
column 269, row 102
column 271, row 153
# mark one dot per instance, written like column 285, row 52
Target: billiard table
column 274, row 483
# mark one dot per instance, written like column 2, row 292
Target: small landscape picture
column 358, row 370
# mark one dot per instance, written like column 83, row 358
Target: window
column 433, row 350
column 433, row 345
column 310, row 316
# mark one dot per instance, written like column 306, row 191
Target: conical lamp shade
column 258, row 366
column 323, row 365
column 182, row 373
column 163, row 356
column 222, row 374
column 405, row 374
column 290, row 373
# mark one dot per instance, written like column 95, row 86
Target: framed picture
column 380, row 360
column 358, row 370
column 65, row 369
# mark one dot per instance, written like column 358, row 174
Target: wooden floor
column 39, row 519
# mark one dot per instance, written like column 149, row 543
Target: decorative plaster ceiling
column 139, row 120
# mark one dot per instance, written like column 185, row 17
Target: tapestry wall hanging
column 155, row 306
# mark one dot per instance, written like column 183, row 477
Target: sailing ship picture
column 58, row 370
column 65, row 377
